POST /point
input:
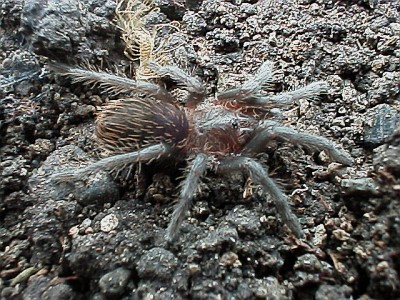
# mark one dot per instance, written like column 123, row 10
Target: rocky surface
column 104, row 239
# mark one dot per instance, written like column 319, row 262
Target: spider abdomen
column 129, row 124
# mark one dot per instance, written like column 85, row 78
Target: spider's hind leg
column 259, row 175
column 270, row 130
column 111, row 83
column 114, row 163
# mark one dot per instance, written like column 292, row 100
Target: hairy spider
column 222, row 134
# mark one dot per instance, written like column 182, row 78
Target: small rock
column 42, row 147
column 216, row 239
column 387, row 156
column 193, row 268
column 366, row 185
column 46, row 288
column 84, row 110
column 114, row 282
column 60, row 291
column 308, row 263
column 195, row 23
column 230, row 259
column 269, row 288
column 193, row 4
column 320, row 236
column 326, row 292
column 341, row 235
column 98, row 296
column 109, row 222
column 380, row 123
column 245, row 220
column 8, row 292
column 157, row 262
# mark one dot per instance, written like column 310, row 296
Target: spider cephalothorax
column 222, row 133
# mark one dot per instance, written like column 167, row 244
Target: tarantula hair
column 222, row 134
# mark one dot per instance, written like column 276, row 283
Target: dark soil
column 105, row 239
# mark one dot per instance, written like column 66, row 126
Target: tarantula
column 222, row 134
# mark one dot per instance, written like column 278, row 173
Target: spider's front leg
column 189, row 188
column 115, row 162
column 270, row 130
column 259, row 175
column 249, row 95
column 249, row 91
column 311, row 91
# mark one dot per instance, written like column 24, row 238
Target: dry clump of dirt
column 103, row 239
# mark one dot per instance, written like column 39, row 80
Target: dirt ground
column 104, row 238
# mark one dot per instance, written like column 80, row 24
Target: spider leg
column 311, row 91
column 248, row 92
column 247, row 98
column 188, row 190
column 192, row 85
column 114, row 162
column 270, row 130
column 259, row 175
column 112, row 83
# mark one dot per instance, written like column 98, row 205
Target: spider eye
column 235, row 123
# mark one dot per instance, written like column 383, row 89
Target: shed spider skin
column 222, row 134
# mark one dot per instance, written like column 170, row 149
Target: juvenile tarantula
column 222, row 134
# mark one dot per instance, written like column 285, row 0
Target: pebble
column 320, row 236
column 367, row 185
column 157, row 262
column 308, row 263
column 216, row 239
column 244, row 220
column 109, row 222
column 380, row 123
column 326, row 292
column 387, row 156
column 115, row 282
column 230, row 259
